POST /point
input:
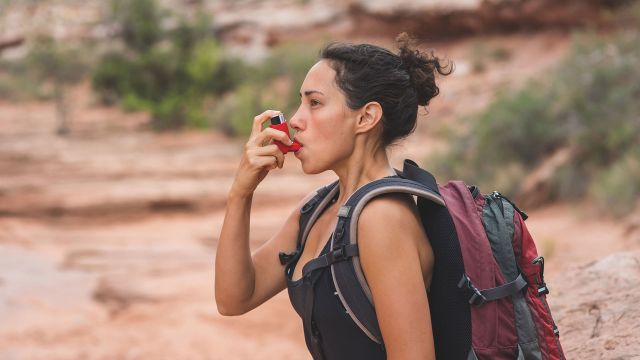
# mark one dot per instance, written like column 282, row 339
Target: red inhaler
column 279, row 123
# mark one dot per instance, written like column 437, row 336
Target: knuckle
column 275, row 150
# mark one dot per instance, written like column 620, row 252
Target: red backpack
column 487, row 296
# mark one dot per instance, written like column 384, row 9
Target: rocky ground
column 108, row 235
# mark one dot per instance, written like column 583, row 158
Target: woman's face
column 324, row 123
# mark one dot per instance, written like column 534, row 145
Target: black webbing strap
column 412, row 171
column 479, row 297
column 342, row 253
column 307, row 210
column 313, row 338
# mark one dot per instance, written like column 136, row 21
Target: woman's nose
column 296, row 121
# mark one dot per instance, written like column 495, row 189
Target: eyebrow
column 309, row 92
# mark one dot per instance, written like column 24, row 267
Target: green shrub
column 588, row 103
column 272, row 84
column 17, row 83
column 111, row 78
column 291, row 61
column 182, row 75
column 139, row 21
column 617, row 188
column 168, row 73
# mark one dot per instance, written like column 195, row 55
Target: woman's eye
column 314, row 102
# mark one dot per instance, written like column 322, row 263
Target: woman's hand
column 260, row 156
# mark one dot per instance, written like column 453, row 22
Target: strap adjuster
column 476, row 298
column 542, row 286
column 479, row 297
column 340, row 228
column 344, row 211
column 341, row 253
column 336, row 255
column 285, row 258
column 543, row 290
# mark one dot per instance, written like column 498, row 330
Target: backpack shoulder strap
column 308, row 215
column 348, row 277
column 310, row 212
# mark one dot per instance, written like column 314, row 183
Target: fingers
column 260, row 150
column 271, row 152
column 268, row 162
column 260, row 119
column 279, row 158
column 269, row 134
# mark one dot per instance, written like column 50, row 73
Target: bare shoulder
column 390, row 240
column 389, row 209
column 390, row 223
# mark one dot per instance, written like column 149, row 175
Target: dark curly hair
column 398, row 82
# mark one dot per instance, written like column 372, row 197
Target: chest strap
column 342, row 253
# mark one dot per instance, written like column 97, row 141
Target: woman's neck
column 360, row 169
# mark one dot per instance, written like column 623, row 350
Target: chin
column 309, row 170
column 312, row 167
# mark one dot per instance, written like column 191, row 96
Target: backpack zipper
column 496, row 194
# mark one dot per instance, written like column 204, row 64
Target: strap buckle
column 542, row 286
column 340, row 228
column 342, row 253
column 286, row 258
column 336, row 255
column 476, row 298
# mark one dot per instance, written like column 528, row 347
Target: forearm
column 234, row 271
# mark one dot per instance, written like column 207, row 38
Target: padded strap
column 348, row 277
column 312, row 209
column 313, row 338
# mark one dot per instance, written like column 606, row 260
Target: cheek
column 333, row 139
column 333, row 127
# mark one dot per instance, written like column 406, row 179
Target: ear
column 368, row 117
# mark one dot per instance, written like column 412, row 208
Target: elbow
column 228, row 310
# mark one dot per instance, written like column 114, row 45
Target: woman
column 356, row 101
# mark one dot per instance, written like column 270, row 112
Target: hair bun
column 421, row 67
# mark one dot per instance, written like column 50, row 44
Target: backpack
column 487, row 296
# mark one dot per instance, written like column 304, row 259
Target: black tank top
column 339, row 337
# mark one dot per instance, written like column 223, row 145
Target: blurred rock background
column 122, row 123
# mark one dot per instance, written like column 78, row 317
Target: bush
column 140, row 22
column 165, row 72
column 617, row 189
column 588, row 104
column 17, row 83
column 179, row 74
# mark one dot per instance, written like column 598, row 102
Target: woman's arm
column 389, row 235
column 242, row 280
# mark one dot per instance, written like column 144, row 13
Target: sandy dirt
column 108, row 235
